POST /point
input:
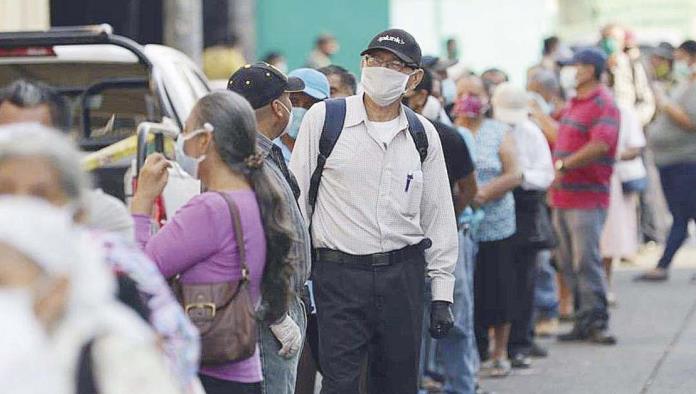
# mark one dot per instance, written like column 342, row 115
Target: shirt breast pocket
column 411, row 190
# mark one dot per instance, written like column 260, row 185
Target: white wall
column 24, row 15
column 503, row 33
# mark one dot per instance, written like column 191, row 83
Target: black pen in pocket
column 409, row 178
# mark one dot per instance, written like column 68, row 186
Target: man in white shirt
column 381, row 218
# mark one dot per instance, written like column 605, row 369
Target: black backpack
column 333, row 125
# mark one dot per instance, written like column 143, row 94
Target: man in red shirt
column 584, row 156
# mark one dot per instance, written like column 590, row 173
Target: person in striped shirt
column 583, row 156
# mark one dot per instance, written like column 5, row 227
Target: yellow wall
column 24, row 15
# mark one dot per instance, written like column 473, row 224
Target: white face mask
column 384, row 86
column 682, row 70
column 432, row 108
column 288, row 126
column 569, row 78
column 187, row 163
column 18, row 303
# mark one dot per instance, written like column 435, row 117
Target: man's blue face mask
column 297, row 114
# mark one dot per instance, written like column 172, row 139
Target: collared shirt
column 375, row 196
column 300, row 250
column 534, row 156
column 586, row 119
column 287, row 153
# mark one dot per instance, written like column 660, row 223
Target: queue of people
column 420, row 233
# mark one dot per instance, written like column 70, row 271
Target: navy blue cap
column 262, row 83
column 591, row 56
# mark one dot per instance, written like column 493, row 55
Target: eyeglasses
column 396, row 65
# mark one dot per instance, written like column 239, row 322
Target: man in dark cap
column 268, row 91
column 584, row 155
column 375, row 188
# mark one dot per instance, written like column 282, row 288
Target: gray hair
column 547, row 79
column 33, row 139
column 234, row 124
column 29, row 94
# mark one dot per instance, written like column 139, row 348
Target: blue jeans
column 678, row 184
column 580, row 260
column 457, row 353
column 280, row 373
column 546, row 289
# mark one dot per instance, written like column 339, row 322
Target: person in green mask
column 662, row 62
column 627, row 78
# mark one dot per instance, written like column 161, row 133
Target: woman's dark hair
column 549, row 45
column 689, row 46
column 234, row 134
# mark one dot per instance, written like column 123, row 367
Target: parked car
column 112, row 83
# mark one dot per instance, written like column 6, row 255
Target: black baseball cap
column 261, row 83
column 400, row 43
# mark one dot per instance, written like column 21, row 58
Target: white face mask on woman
column 383, row 85
column 187, row 163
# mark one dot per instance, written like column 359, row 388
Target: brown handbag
column 223, row 312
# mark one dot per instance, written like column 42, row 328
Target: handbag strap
column 239, row 234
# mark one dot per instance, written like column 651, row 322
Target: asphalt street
column 656, row 328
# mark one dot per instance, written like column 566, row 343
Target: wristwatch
column 559, row 165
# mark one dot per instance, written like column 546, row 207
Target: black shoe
column 575, row 335
column 538, row 351
column 521, row 361
column 602, row 337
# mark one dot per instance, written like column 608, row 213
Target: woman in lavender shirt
column 218, row 146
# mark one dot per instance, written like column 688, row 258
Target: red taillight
column 27, row 52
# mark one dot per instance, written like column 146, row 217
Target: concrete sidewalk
column 656, row 328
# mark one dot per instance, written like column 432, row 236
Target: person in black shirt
column 458, row 349
column 460, row 166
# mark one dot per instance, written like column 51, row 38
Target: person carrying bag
column 223, row 312
column 223, row 271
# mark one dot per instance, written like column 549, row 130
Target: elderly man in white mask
column 65, row 308
column 40, row 162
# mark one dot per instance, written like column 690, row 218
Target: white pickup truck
column 113, row 85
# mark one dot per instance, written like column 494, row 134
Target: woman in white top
column 534, row 230
column 620, row 235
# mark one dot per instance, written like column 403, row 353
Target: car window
column 115, row 112
column 126, row 105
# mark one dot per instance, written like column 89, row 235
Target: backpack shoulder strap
column 415, row 127
column 333, row 125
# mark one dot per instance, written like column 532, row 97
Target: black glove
column 441, row 319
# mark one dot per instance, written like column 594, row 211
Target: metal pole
column 183, row 26
column 242, row 17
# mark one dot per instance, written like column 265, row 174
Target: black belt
column 374, row 260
